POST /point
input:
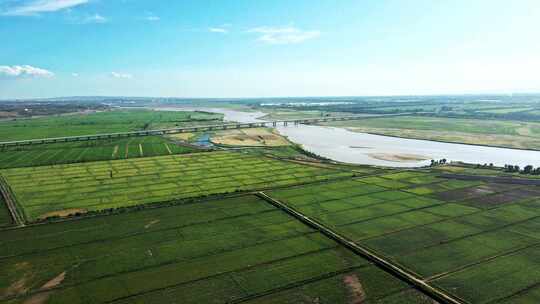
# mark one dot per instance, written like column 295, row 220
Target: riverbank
column 442, row 141
column 347, row 146
column 489, row 133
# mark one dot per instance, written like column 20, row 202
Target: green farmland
column 217, row 251
column 462, row 236
column 101, row 122
column 5, row 217
column 153, row 220
column 85, row 151
column 78, row 188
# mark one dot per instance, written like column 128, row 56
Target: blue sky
column 267, row 48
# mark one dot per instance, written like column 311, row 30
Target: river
column 360, row 148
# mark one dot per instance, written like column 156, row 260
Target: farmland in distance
column 112, row 121
column 91, row 150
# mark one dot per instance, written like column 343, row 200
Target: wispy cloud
column 151, row 17
column 121, row 75
column 218, row 30
column 24, row 71
column 35, row 7
column 75, row 74
column 283, row 35
column 96, row 18
column 222, row 29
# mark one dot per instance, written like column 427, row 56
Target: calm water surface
column 352, row 147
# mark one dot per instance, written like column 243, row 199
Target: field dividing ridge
column 367, row 253
column 6, row 194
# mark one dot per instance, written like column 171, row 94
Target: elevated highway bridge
column 224, row 126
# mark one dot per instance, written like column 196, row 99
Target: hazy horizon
column 246, row 49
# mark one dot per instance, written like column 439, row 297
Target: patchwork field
column 77, row 188
column 463, row 236
column 101, row 122
column 85, row 151
column 218, row 251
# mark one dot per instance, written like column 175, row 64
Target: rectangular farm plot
column 350, row 203
column 463, row 254
column 85, row 151
column 509, row 279
column 60, row 190
column 214, row 251
column 454, row 244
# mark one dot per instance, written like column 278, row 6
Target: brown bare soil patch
column 150, row 224
column 54, row 281
column 5, row 114
column 356, row 290
column 398, row 157
column 473, row 192
column 62, row 213
column 22, row 265
column 42, row 297
column 17, row 287
column 505, row 197
column 524, row 131
column 258, row 137
column 38, row 298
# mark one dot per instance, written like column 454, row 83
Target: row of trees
column 438, row 162
column 526, row 170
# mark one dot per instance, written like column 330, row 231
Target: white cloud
column 218, row 30
column 75, row 74
column 24, row 71
column 121, row 75
column 35, row 7
column 96, row 18
column 283, row 35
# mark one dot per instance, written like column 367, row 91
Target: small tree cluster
column 529, row 169
column 438, row 162
column 490, row 165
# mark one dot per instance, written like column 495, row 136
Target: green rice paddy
column 77, row 188
column 217, row 251
column 86, row 151
column 486, row 235
column 100, row 122
column 5, row 217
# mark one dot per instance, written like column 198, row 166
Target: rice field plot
column 5, row 216
column 471, row 255
column 86, row 151
column 61, row 190
column 102, row 122
column 446, row 242
column 213, row 251
column 355, row 203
